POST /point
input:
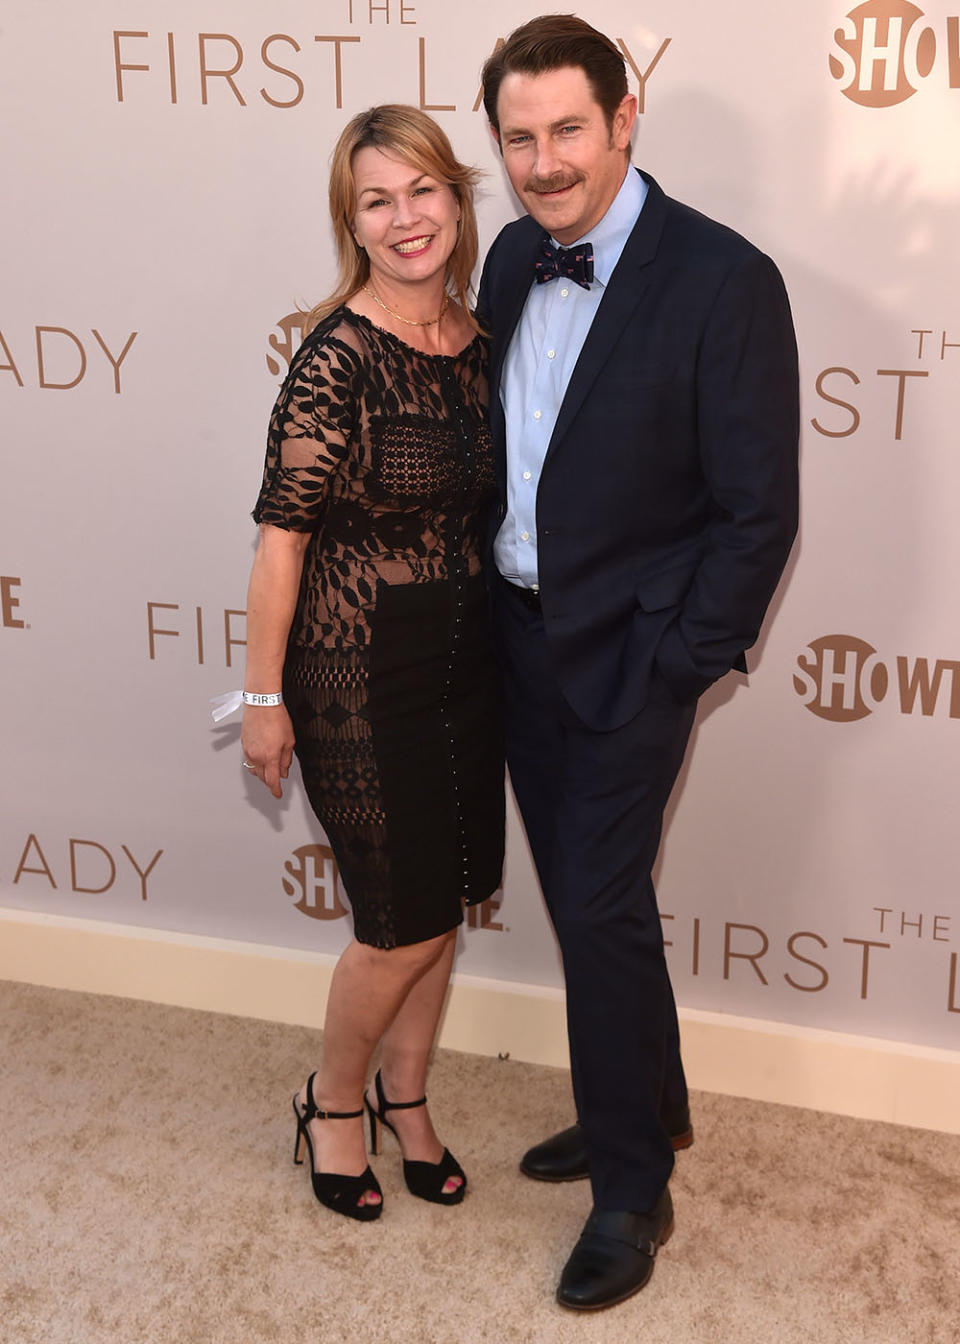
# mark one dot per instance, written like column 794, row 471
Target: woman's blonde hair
column 410, row 135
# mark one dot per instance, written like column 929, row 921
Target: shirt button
column 524, row 536
column 527, row 475
column 564, row 293
column 551, row 354
column 536, row 415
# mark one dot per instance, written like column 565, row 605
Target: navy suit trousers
column 592, row 804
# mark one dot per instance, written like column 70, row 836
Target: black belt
column 528, row 596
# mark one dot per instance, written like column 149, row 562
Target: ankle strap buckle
column 311, row 1111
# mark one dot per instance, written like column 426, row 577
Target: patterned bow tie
column 576, row 263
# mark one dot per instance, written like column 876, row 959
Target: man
column 644, row 409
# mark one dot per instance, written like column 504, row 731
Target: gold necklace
column 409, row 321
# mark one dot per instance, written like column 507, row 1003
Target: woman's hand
column 267, row 740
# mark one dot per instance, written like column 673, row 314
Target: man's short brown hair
column 555, row 42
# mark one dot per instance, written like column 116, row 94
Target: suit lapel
column 624, row 292
column 513, row 286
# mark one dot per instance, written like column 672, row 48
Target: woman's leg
column 407, row 1043
column 369, row 988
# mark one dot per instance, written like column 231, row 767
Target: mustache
column 556, row 182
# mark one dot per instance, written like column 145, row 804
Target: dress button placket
column 455, row 563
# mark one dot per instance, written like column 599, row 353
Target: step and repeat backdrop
column 165, row 221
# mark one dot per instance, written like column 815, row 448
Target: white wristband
column 224, row 705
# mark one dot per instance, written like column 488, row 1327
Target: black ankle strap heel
column 333, row 1189
column 424, row 1179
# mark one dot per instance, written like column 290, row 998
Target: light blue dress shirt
column 539, row 361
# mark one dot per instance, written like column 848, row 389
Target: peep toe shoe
column 333, row 1189
column 424, row 1179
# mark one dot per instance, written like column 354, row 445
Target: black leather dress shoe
column 563, row 1157
column 614, row 1257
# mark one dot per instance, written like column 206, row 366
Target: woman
column 367, row 606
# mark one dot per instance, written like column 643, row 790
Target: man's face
column 564, row 162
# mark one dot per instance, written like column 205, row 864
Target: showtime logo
column 316, row 880
column 842, row 678
column 884, row 52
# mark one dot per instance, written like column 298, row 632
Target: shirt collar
column 610, row 235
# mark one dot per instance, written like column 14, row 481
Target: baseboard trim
column 736, row 1056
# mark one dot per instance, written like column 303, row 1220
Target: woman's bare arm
column 267, row 737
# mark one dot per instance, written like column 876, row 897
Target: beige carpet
column 147, row 1196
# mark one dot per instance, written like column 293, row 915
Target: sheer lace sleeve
column 310, row 429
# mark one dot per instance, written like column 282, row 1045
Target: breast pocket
column 643, row 400
column 639, row 380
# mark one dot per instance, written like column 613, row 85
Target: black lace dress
column 382, row 453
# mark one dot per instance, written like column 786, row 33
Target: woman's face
column 406, row 219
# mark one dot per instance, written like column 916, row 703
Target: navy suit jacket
column 667, row 504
